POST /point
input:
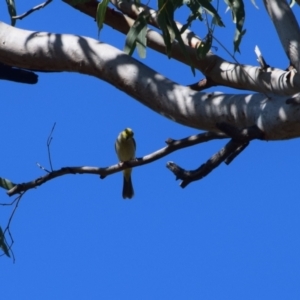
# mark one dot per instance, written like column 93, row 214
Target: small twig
column 17, row 200
column 260, row 59
column 240, row 140
column 7, row 228
column 49, row 140
column 226, row 50
column 10, row 246
column 43, row 168
column 189, row 176
column 42, row 5
column 233, row 155
column 294, row 100
column 173, row 145
column 9, row 204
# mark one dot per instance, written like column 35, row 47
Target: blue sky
column 233, row 235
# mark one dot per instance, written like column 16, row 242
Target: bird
column 125, row 147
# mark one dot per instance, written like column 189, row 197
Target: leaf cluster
column 200, row 10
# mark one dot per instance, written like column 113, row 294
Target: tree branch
column 240, row 140
column 17, row 75
column 64, row 52
column 173, row 145
column 287, row 29
column 189, row 176
column 224, row 73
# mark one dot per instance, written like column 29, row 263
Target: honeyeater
column 125, row 147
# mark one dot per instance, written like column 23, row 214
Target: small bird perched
column 125, row 147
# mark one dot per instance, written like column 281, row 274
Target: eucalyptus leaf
column 192, row 17
column 182, row 46
column 100, row 14
column 136, row 36
column 238, row 16
column 165, row 18
column 6, row 184
column 210, row 9
column 237, row 39
column 161, row 19
column 142, row 42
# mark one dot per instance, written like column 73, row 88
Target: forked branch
column 172, row 145
column 240, row 140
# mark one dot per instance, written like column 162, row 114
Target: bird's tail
column 128, row 191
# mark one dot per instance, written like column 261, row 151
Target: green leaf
column 3, row 245
column 136, row 36
column 197, row 7
column 100, row 14
column 12, row 11
column 162, row 22
column 194, row 6
column 165, row 18
column 142, row 42
column 182, row 45
column 192, row 17
column 237, row 39
column 238, row 16
column 210, row 9
column 6, row 184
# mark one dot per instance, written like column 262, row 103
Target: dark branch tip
column 169, row 141
column 295, row 100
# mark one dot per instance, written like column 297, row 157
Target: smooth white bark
column 287, row 29
column 63, row 52
column 219, row 70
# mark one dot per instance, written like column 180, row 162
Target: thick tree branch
column 63, row 52
column 287, row 29
column 173, row 145
column 224, row 73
